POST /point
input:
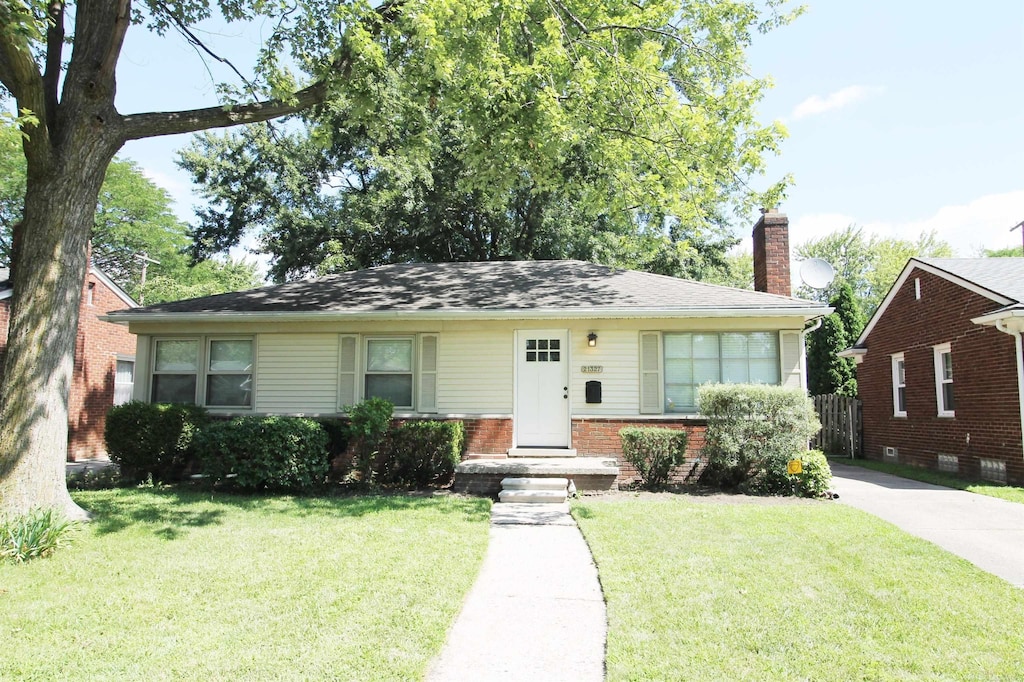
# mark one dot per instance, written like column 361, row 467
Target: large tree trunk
column 49, row 268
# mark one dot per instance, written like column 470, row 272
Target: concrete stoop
column 486, row 476
column 534, row 490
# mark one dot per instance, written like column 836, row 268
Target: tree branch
column 20, row 75
column 154, row 124
column 54, row 58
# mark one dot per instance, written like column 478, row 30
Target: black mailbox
column 593, row 391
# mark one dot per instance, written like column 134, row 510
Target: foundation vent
column 891, row 454
column 949, row 464
column 993, row 470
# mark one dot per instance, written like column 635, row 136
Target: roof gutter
column 442, row 314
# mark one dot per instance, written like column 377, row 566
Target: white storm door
column 542, row 388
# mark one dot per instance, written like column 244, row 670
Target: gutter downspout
column 1003, row 327
column 803, row 349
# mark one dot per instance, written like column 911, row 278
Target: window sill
column 946, row 415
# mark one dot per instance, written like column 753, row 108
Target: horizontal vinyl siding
column 474, row 372
column 297, row 373
column 617, row 353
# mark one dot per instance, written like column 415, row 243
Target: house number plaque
column 592, row 369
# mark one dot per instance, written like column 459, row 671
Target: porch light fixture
column 591, row 339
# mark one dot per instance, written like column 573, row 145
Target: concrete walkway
column 986, row 531
column 536, row 611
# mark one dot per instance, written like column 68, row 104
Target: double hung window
column 899, row 385
column 389, row 370
column 222, row 367
column 944, row 380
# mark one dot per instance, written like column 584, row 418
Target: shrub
column 36, row 534
column 816, row 477
column 653, row 452
column 152, row 440
column 368, row 423
column 265, row 453
column 420, row 453
column 752, row 433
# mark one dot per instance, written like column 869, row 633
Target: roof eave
column 806, row 313
column 1011, row 317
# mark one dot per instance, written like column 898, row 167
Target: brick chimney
column 771, row 253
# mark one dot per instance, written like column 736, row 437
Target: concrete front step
column 534, row 483
column 484, row 477
column 533, row 496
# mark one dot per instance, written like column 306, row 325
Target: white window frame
column 364, row 362
column 897, row 360
column 208, row 372
column 941, row 381
column 131, row 391
column 153, row 373
column 202, row 369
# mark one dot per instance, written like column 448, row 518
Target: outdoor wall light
column 591, row 339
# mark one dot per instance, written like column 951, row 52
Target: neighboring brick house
column 940, row 370
column 104, row 361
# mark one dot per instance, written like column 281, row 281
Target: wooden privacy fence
column 840, row 425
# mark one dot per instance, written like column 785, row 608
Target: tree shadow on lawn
column 175, row 509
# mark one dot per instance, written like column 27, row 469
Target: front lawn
column 171, row 585
column 1004, row 492
column 792, row 591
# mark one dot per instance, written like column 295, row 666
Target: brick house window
column 124, row 380
column 899, row 386
column 944, row 380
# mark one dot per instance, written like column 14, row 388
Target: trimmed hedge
column 265, row 453
column 753, row 431
column 653, row 452
column 152, row 440
column 420, row 453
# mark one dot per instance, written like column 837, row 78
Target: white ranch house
column 538, row 358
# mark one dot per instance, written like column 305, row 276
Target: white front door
column 542, row 388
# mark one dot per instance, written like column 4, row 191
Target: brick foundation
column 600, row 437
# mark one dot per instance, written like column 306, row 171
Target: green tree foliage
column 826, row 371
column 655, row 98
column 1008, row 252
column 617, row 133
column 869, row 264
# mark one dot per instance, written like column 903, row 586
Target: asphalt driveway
column 986, row 531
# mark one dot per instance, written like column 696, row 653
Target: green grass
column 807, row 591
column 172, row 585
column 1004, row 492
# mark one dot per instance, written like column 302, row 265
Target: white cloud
column 984, row 222
column 816, row 104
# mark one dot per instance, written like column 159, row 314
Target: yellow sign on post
column 795, row 466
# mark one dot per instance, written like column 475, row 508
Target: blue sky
column 903, row 116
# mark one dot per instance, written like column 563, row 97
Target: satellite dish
column 816, row 273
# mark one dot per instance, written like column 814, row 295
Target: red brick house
column 940, row 370
column 104, row 361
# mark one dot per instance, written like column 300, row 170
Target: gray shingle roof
column 1003, row 276
column 533, row 286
